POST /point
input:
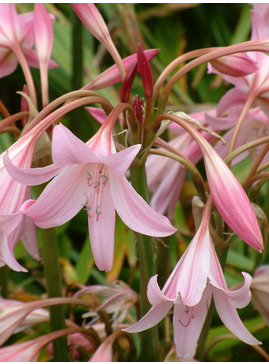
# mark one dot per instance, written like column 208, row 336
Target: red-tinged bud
column 145, row 72
column 138, row 105
column 128, row 83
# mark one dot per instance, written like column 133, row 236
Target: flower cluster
column 136, row 166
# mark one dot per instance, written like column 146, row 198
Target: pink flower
column 16, row 36
column 196, row 277
column 90, row 16
column 14, row 224
column 28, row 351
column 112, row 75
column 92, row 178
column 43, row 33
column 166, row 176
column 253, row 87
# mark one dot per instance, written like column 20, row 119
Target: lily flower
column 92, row 19
column 196, row 277
column 43, row 33
column 250, row 88
column 28, row 351
column 166, row 177
column 14, row 224
column 91, row 178
column 16, row 38
column 16, row 315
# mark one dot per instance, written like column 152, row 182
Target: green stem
column 4, row 281
column 54, row 288
column 149, row 338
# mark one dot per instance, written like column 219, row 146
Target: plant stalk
column 53, row 279
column 149, row 338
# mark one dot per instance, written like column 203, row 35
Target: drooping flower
column 166, row 177
column 28, row 351
column 252, row 88
column 196, row 277
column 91, row 178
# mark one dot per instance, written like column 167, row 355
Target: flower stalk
column 149, row 338
column 52, row 273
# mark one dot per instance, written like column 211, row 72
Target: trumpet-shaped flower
column 196, row 277
column 14, row 225
column 16, row 315
column 16, row 38
column 91, row 178
column 166, row 177
column 253, row 87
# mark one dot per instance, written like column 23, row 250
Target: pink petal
column 8, row 64
column 43, row 32
column 189, row 277
column 102, row 228
column 6, row 251
column 112, row 74
column 152, row 317
column 187, row 325
column 231, row 200
column 121, row 161
column 155, row 295
column 135, row 212
column 62, row 199
column 30, row 176
column 68, row 149
column 231, row 319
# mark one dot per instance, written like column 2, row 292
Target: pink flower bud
column 236, row 65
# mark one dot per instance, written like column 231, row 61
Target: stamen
column 105, row 179
column 96, row 184
column 186, row 325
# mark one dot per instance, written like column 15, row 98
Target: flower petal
column 152, row 317
column 230, row 317
column 121, row 161
column 155, row 295
column 61, row 200
column 187, row 324
column 30, row 176
column 102, row 229
column 68, row 149
column 135, row 212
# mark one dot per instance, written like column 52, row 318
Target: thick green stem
column 149, row 338
column 52, row 273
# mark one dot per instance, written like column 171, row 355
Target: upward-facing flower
column 91, row 178
column 196, row 277
column 43, row 34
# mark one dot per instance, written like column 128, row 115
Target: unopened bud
column 145, row 72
